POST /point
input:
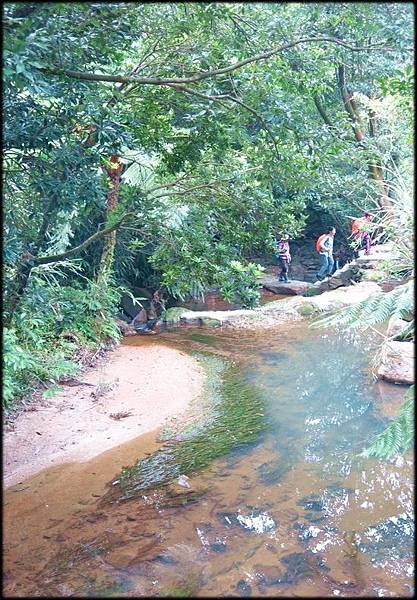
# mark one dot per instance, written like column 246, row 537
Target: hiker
column 361, row 234
column 324, row 247
column 282, row 252
column 140, row 322
column 145, row 321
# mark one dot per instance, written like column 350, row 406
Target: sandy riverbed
column 147, row 383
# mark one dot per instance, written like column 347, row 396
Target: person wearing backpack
column 361, row 234
column 282, row 252
column 324, row 246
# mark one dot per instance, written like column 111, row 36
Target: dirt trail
column 134, row 391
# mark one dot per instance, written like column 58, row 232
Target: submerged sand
column 133, row 392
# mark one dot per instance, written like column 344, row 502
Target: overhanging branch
column 203, row 74
column 44, row 260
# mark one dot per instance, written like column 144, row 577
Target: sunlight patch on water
column 259, row 523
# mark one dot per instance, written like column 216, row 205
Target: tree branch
column 44, row 260
column 322, row 111
column 349, row 105
column 209, row 184
column 203, row 74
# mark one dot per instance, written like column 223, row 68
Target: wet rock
column 272, row 472
column 292, row 288
column 314, row 518
column 125, row 328
column 306, row 309
column 342, row 277
column 243, row 589
column 345, row 296
column 173, row 315
column 298, row 567
column 312, row 291
column 268, row 576
column 228, row 519
column 129, row 307
column 391, row 539
column 96, row 517
column 272, row 358
column 165, row 559
column 312, row 502
column 397, row 363
column 120, row 558
column 219, row 546
column 210, row 322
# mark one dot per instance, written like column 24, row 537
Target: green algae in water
column 204, row 338
column 234, row 419
column 112, row 590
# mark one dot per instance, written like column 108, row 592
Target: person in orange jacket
column 361, row 234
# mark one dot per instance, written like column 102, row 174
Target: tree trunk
column 28, row 261
column 374, row 168
column 106, row 262
column 15, row 294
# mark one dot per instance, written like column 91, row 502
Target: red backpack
column 319, row 239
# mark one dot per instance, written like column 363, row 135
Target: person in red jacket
column 361, row 234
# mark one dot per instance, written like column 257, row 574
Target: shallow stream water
column 278, row 502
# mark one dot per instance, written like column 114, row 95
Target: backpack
column 319, row 239
column 356, row 226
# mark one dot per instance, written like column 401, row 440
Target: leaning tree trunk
column 374, row 168
column 17, row 288
column 106, row 262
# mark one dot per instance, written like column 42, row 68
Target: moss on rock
column 210, row 322
column 372, row 275
column 306, row 309
column 172, row 315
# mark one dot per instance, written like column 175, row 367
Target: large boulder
column 397, row 364
column 344, row 296
column 292, row 288
column 347, row 275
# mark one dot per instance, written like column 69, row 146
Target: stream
column 277, row 500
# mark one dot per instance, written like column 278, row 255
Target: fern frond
column 373, row 310
column 406, row 334
column 398, row 436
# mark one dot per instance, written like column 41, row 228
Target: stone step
column 292, row 288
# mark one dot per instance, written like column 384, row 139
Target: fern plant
column 398, row 436
column 376, row 309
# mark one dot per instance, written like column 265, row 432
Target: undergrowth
column 52, row 323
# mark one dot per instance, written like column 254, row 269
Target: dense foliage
column 165, row 145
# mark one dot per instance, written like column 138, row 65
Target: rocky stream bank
column 354, row 282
